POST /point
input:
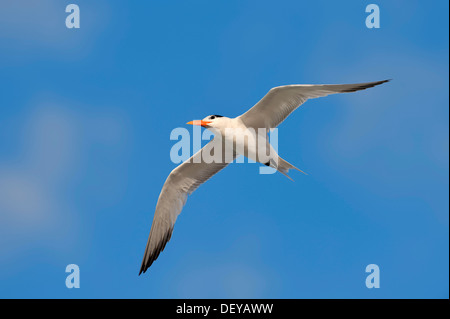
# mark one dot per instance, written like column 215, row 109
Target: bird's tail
column 284, row 166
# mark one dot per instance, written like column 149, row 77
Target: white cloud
column 40, row 25
column 37, row 208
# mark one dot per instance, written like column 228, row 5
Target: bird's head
column 211, row 122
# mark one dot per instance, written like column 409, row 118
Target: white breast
column 248, row 142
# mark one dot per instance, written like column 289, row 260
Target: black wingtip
column 144, row 268
column 365, row 86
column 149, row 259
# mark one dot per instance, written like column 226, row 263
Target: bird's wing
column 180, row 183
column 281, row 101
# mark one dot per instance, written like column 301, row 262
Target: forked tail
column 283, row 167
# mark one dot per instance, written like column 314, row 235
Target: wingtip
column 382, row 82
column 142, row 271
column 149, row 258
column 144, row 268
column 363, row 86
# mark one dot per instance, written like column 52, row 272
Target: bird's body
column 244, row 135
column 244, row 140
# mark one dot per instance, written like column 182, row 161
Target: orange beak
column 199, row 122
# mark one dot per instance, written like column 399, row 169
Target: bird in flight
column 267, row 114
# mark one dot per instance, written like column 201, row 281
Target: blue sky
column 85, row 120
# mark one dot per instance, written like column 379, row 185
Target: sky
column 85, row 122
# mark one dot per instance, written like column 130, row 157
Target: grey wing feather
column 180, row 183
column 281, row 101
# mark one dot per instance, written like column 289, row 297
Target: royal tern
column 267, row 114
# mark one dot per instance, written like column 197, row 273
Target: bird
column 265, row 115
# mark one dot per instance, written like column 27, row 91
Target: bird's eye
column 212, row 117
